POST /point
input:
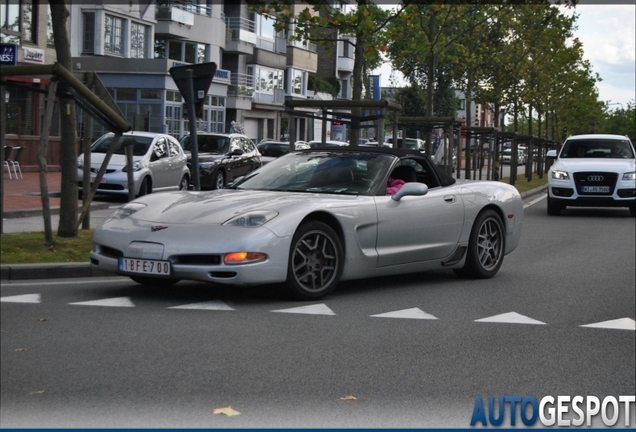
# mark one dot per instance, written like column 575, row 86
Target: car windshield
column 208, row 143
column 140, row 144
column 597, row 148
column 273, row 149
column 321, row 172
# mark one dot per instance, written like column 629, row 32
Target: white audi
column 593, row 171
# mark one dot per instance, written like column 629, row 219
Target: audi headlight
column 629, row 176
column 136, row 166
column 560, row 175
column 127, row 210
column 252, row 220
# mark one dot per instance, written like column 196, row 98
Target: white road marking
column 24, row 298
column 209, row 305
column 319, row 309
column 90, row 280
column 413, row 313
column 112, row 302
column 534, row 201
column 510, row 318
column 617, row 324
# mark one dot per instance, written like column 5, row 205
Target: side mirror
column 236, row 152
column 551, row 153
column 408, row 189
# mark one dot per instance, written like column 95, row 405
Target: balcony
column 240, row 92
column 241, row 37
column 173, row 22
column 275, row 98
column 345, row 64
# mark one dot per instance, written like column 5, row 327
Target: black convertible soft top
column 444, row 179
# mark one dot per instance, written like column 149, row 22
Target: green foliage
column 330, row 86
column 621, row 122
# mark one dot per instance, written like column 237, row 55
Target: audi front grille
column 595, row 183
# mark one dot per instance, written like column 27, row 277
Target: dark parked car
column 222, row 157
column 271, row 149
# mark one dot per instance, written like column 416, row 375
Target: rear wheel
column 554, row 209
column 156, row 282
column 316, row 260
column 486, row 247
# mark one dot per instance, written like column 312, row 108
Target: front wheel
column 316, row 260
column 486, row 247
column 219, row 180
column 554, row 209
column 144, row 189
column 184, row 184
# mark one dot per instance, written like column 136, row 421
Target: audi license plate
column 142, row 266
column 596, row 189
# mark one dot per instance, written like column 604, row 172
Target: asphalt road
column 144, row 357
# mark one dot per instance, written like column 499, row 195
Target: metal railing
column 240, row 23
column 241, row 85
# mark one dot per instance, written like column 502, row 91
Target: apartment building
column 26, row 35
column 132, row 47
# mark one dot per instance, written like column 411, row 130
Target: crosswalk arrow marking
column 112, row 302
column 617, row 324
column 510, row 318
column 319, row 309
column 413, row 313
column 209, row 305
column 24, row 298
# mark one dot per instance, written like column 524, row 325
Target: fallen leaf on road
column 228, row 411
column 41, row 319
column 349, row 398
column 20, row 349
column 37, row 392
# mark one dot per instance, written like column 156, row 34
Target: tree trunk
column 68, row 126
column 43, row 150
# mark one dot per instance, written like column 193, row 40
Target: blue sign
column 8, row 54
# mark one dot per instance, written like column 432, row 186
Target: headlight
column 560, row 175
column 136, row 166
column 251, row 220
column 80, row 162
column 127, row 210
column 206, row 165
column 629, row 176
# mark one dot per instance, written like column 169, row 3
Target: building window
column 297, row 84
column 461, row 104
column 10, row 21
column 29, row 22
column 88, row 44
column 344, row 89
column 113, row 35
column 267, row 79
column 138, row 40
column 50, row 40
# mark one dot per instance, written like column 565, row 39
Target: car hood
column 116, row 160
column 608, row 165
column 216, row 207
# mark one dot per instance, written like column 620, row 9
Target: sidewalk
column 22, row 197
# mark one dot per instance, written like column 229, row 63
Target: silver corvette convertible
column 313, row 218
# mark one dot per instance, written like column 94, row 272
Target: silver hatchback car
column 159, row 164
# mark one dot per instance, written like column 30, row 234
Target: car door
column 176, row 161
column 419, row 228
column 160, row 163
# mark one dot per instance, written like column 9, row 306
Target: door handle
column 450, row 198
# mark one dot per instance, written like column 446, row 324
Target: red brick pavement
column 24, row 193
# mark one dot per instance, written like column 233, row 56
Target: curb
column 12, row 272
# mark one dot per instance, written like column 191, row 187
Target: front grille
column 582, row 180
column 108, row 170
column 108, row 186
column 111, row 252
column 211, row 259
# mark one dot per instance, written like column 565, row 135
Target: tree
column 68, row 146
column 327, row 25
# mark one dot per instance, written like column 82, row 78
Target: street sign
column 202, row 75
column 8, row 54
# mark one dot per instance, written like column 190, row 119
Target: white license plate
column 142, row 266
column 103, row 180
column 596, row 189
